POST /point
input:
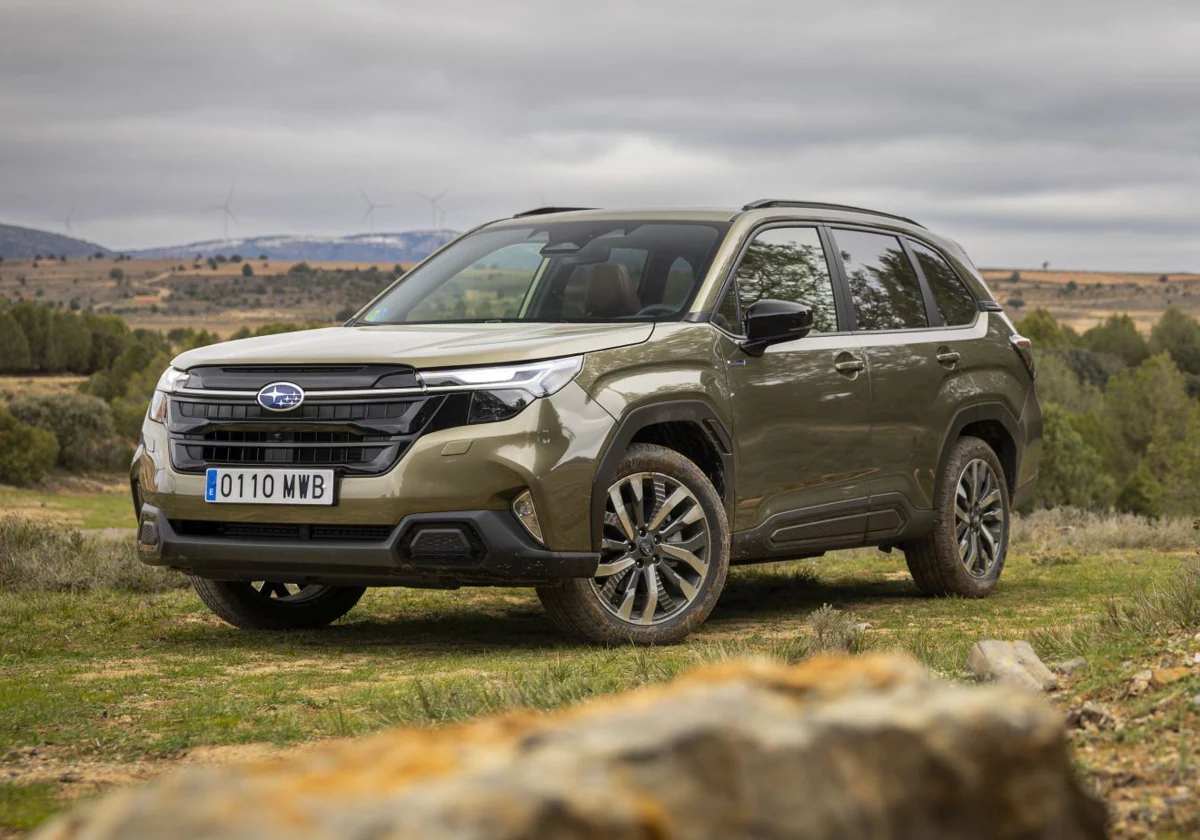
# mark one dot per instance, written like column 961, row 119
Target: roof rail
column 821, row 205
column 542, row 211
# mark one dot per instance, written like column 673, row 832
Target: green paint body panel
column 808, row 443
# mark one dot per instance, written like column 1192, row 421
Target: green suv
column 613, row 407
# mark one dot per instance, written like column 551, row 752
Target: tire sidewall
column 968, row 449
column 609, row 628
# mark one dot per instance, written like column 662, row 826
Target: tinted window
column 789, row 264
column 883, row 283
column 956, row 305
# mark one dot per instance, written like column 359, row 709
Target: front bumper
column 442, row 550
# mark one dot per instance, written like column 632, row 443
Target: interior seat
column 611, row 292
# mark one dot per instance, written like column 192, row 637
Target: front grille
column 271, row 531
column 358, row 436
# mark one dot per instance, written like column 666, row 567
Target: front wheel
column 270, row 605
column 664, row 557
column 966, row 551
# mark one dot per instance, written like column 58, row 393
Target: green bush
column 14, row 348
column 82, row 425
column 1072, row 471
column 26, row 452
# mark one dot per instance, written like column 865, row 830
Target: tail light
column 1024, row 348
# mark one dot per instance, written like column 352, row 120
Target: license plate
column 268, row 487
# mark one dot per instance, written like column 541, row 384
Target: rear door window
column 882, row 281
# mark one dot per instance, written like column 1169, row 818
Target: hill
column 20, row 242
column 406, row 247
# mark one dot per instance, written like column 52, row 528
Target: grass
column 93, row 506
column 99, row 676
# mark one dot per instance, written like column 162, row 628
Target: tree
column 117, row 274
column 1119, row 336
column 1144, row 404
column 1044, row 330
column 81, row 424
column 247, row 270
column 14, row 349
column 26, row 453
column 1072, row 472
column 1178, row 333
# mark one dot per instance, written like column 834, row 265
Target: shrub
column 26, row 452
column 1072, row 472
column 14, row 349
column 82, row 425
column 247, row 270
column 39, row 557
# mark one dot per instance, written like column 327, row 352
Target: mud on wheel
column 966, row 552
column 664, row 555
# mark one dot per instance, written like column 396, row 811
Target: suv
column 614, row 407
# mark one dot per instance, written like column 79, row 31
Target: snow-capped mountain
column 405, row 247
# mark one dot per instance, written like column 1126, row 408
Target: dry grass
column 39, row 557
column 1063, row 531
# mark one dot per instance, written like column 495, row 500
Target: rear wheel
column 966, row 552
column 664, row 557
column 271, row 605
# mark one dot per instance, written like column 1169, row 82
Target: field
column 128, row 675
column 165, row 294
column 1082, row 299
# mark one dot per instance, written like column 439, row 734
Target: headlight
column 168, row 382
column 538, row 379
column 501, row 392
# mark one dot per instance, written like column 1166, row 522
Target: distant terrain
column 1082, row 299
column 409, row 246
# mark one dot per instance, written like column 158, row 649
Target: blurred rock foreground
column 836, row 747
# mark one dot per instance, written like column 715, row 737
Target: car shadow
column 491, row 627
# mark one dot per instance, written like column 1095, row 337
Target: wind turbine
column 66, row 220
column 434, row 205
column 371, row 208
column 226, row 212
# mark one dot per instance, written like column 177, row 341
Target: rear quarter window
column 954, row 301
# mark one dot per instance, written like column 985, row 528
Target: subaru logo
column 280, row 396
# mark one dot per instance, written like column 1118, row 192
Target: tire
column 261, row 606
column 943, row 563
column 685, row 555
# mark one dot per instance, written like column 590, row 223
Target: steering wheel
column 657, row 309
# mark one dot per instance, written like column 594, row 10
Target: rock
column 1013, row 663
column 1069, row 666
column 1140, row 682
column 1165, row 676
column 1196, row 701
column 1090, row 716
column 837, row 747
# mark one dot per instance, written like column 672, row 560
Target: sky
column 1055, row 130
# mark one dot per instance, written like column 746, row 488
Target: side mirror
column 773, row 321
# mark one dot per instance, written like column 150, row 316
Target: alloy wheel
column 655, row 554
column 290, row 593
column 979, row 518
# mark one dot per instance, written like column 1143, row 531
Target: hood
column 422, row 346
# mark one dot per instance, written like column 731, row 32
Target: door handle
column 849, row 366
column 946, row 356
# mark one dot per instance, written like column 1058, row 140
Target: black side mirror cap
column 774, row 321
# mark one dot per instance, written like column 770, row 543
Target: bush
column 14, row 349
column 1072, row 472
column 26, row 452
column 82, row 425
column 38, row 557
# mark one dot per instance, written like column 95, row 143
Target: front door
column 800, row 410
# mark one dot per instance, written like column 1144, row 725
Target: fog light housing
column 148, row 534
column 526, row 514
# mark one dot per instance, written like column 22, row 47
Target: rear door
column 801, row 409
column 914, row 356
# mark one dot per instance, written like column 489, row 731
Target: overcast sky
column 1050, row 130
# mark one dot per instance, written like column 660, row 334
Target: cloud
column 1028, row 130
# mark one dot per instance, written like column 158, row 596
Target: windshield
column 557, row 271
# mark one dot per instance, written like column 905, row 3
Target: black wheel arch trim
column 977, row 413
column 689, row 411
